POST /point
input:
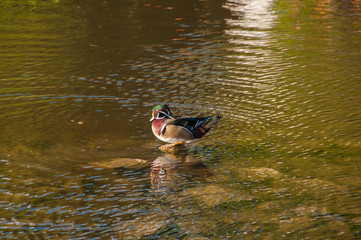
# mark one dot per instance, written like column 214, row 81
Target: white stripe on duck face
column 164, row 115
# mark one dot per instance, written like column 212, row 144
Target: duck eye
column 161, row 115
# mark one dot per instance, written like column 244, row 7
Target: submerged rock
column 122, row 162
column 256, row 174
column 141, row 226
column 331, row 197
column 213, row 195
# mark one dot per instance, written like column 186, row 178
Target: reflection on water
column 78, row 82
column 170, row 172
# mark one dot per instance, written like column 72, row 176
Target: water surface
column 78, row 82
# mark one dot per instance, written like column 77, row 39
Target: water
column 78, row 82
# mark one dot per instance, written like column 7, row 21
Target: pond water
column 79, row 80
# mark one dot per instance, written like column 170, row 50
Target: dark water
column 78, row 82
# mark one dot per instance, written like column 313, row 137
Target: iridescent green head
column 161, row 111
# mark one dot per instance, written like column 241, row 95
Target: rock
column 287, row 227
column 121, row 162
column 193, row 227
column 179, row 149
column 141, row 226
column 327, row 230
column 356, row 221
column 256, row 174
column 331, row 197
column 212, row 195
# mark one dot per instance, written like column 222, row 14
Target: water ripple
column 284, row 79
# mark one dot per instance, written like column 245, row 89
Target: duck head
column 161, row 112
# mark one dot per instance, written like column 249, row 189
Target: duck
column 179, row 130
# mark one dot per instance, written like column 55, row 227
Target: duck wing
column 192, row 125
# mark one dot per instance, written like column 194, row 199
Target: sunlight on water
column 78, row 82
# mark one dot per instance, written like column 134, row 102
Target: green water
column 79, row 80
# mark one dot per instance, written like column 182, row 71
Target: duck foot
column 174, row 148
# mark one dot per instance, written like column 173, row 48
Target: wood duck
column 179, row 130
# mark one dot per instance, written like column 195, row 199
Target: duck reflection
column 169, row 171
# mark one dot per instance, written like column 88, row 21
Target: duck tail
column 210, row 122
